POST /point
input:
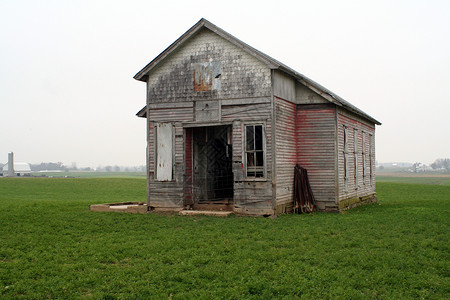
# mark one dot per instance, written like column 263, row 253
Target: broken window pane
column 250, row 159
column 250, row 138
column 260, row 158
column 258, row 138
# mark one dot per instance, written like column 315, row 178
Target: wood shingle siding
column 241, row 76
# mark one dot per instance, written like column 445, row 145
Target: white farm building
column 20, row 169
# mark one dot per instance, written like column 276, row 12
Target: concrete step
column 213, row 206
column 205, row 213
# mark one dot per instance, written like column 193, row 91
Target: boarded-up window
column 345, row 158
column 164, row 152
column 206, row 76
column 364, row 156
column 370, row 159
column 254, row 150
column 355, row 155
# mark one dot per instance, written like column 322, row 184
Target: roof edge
column 326, row 93
column 142, row 113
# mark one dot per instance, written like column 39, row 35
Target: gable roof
column 272, row 63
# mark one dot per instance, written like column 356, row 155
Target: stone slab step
column 213, row 207
column 205, row 213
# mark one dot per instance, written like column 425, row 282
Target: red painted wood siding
column 316, row 150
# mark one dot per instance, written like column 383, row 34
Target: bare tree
column 441, row 163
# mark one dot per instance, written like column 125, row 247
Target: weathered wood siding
column 209, row 81
column 362, row 183
column 242, row 97
column 151, row 147
column 168, row 194
column 189, row 166
column 286, row 153
column 241, row 75
column 283, row 86
column 250, row 196
column 316, row 125
column 304, row 95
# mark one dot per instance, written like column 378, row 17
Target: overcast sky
column 67, row 91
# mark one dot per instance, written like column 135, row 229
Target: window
column 254, row 150
column 370, row 159
column 345, row 158
column 363, row 156
column 355, row 155
column 164, row 152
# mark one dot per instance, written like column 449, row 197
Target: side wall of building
column 305, row 134
column 356, row 159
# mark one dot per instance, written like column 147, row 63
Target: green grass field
column 89, row 174
column 52, row 246
column 438, row 179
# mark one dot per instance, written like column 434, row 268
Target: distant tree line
column 441, row 164
column 59, row 166
column 120, row 169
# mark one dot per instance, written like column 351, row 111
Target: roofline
column 203, row 23
column 142, row 113
column 272, row 63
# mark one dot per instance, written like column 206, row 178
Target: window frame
column 245, row 151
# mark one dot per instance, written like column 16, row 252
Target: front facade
column 226, row 125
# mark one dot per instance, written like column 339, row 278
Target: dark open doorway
column 212, row 175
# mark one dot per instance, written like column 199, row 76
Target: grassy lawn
column 52, row 246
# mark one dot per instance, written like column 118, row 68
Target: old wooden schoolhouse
column 227, row 124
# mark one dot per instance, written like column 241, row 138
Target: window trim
column 244, row 150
